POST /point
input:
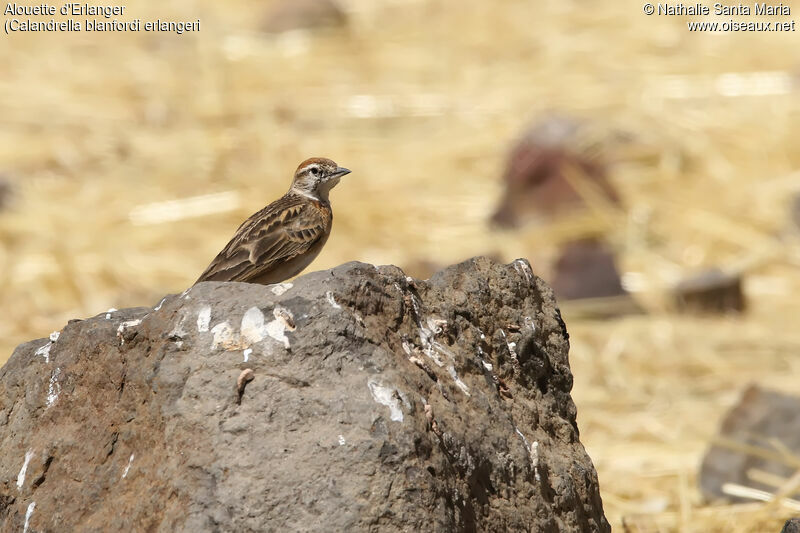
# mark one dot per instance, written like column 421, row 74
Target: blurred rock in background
column 757, row 449
column 559, row 167
column 555, row 167
column 586, row 269
column 6, row 191
column 711, row 291
column 585, row 274
column 795, row 211
column 289, row 15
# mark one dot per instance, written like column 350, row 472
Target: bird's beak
column 341, row 171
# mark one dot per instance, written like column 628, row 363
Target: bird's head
column 316, row 177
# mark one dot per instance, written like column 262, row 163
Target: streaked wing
column 281, row 231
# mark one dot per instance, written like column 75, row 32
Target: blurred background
column 649, row 173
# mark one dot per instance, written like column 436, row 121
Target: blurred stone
column 535, row 179
column 586, row 269
column 587, row 283
column 791, row 526
column 712, row 291
column 6, row 191
column 795, row 211
column 288, row 15
column 769, row 421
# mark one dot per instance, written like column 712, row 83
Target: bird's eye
column 314, row 170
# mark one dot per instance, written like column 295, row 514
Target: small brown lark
column 282, row 239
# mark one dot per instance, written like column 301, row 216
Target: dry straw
column 421, row 100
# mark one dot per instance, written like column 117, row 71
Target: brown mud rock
column 537, row 172
column 711, row 291
column 6, row 191
column 586, row 269
column 379, row 403
column 756, row 437
column 289, row 15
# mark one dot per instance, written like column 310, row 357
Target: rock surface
column 791, row 526
column 374, row 402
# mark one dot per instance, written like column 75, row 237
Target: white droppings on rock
column 428, row 329
column 407, row 348
column 127, row 468
column 24, row 469
column 44, row 351
column 28, row 514
column 277, row 328
column 512, row 346
column 204, row 319
column 156, row 308
column 128, row 324
column 435, row 324
column 533, row 453
column 280, row 288
column 388, row 397
column 108, row 313
column 286, row 316
column 527, row 446
column 53, row 388
column 530, row 323
column 404, row 399
column 342, row 442
column 359, row 320
column 430, row 346
column 522, row 267
column 332, row 300
column 487, row 366
column 409, row 279
column 224, row 336
column 534, row 450
column 253, row 327
column 461, row 385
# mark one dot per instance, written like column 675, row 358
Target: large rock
column 377, row 403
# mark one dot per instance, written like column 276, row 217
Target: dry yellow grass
column 420, row 99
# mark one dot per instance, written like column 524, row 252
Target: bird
column 282, row 239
